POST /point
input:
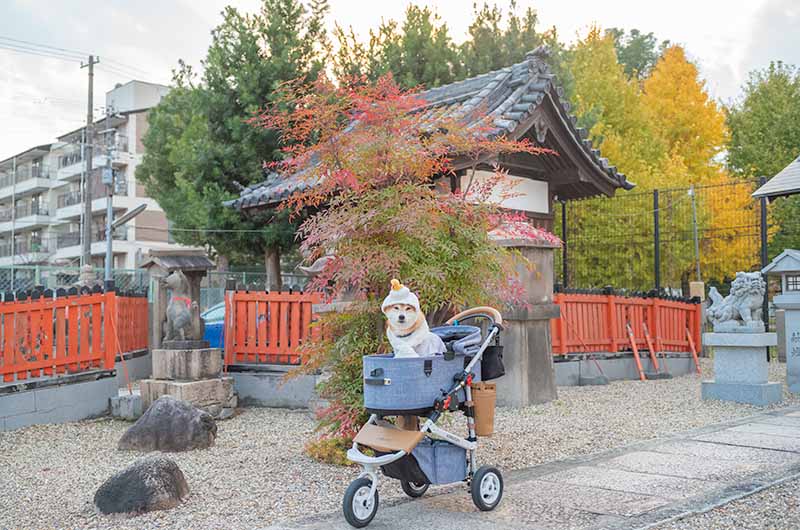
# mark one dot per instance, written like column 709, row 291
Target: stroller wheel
column 487, row 488
column 412, row 489
column 359, row 508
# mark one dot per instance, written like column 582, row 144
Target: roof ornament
column 537, row 59
column 540, row 127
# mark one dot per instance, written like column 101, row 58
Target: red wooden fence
column 46, row 336
column 596, row 323
column 266, row 327
column 132, row 322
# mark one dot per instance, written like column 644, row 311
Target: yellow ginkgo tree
column 665, row 133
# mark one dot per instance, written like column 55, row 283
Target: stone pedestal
column 741, row 369
column 188, row 365
column 193, row 375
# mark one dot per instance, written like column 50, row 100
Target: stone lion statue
column 743, row 306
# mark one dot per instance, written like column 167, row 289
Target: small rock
column 226, row 413
column 170, row 425
column 126, row 407
column 152, row 483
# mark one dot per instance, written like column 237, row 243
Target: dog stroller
column 426, row 386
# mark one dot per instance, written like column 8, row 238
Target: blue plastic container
column 410, row 385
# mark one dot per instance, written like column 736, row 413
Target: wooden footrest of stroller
column 387, row 438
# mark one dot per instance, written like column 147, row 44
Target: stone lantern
column 787, row 266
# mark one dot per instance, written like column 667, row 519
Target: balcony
column 69, row 205
column 29, row 179
column 71, row 239
column 73, row 167
column 26, row 210
column 68, row 239
column 68, row 199
column 29, row 215
column 32, row 250
column 71, row 164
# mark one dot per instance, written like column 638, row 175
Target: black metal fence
column 662, row 239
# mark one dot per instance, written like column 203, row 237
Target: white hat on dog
column 400, row 294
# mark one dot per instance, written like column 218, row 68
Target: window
column 793, row 282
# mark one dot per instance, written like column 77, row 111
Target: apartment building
column 41, row 203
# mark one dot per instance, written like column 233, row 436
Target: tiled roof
column 787, row 182
column 509, row 96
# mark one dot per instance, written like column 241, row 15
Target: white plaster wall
column 530, row 195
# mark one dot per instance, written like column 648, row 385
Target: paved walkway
column 636, row 486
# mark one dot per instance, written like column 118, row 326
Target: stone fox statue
column 183, row 314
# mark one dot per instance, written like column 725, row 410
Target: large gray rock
column 170, row 425
column 152, row 483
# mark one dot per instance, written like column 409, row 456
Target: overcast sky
column 42, row 97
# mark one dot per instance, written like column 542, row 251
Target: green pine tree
column 200, row 149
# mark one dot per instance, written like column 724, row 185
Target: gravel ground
column 775, row 508
column 257, row 472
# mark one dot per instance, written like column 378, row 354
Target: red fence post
column 228, row 327
column 109, row 323
column 612, row 323
column 562, row 328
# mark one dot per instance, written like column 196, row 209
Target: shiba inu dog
column 406, row 327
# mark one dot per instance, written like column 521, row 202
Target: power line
column 44, row 50
column 79, row 54
column 40, row 54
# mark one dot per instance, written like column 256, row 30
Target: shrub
column 379, row 212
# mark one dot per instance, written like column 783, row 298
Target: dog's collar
column 404, row 336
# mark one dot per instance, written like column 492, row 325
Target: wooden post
column 110, row 332
column 693, row 350
column 228, row 325
column 653, row 358
column 562, row 328
column 635, row 353
column 612, row 322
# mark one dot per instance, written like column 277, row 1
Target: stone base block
column 211, row 395
column 127, row 406
column 753, row 394
column 270, row 389
column 188, row 364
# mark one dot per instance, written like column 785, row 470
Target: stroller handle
column 484, row 311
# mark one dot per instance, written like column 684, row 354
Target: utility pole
column 13, row 220
column 108, row 180
column 87, row 187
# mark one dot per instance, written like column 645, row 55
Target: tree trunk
column 223, row 263
column 272, row 261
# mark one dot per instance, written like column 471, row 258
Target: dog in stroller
column 427, row 386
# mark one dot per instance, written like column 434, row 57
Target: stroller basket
column 410, row 385
column 431, row 462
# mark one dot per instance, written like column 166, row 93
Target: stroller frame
column 371, row 464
